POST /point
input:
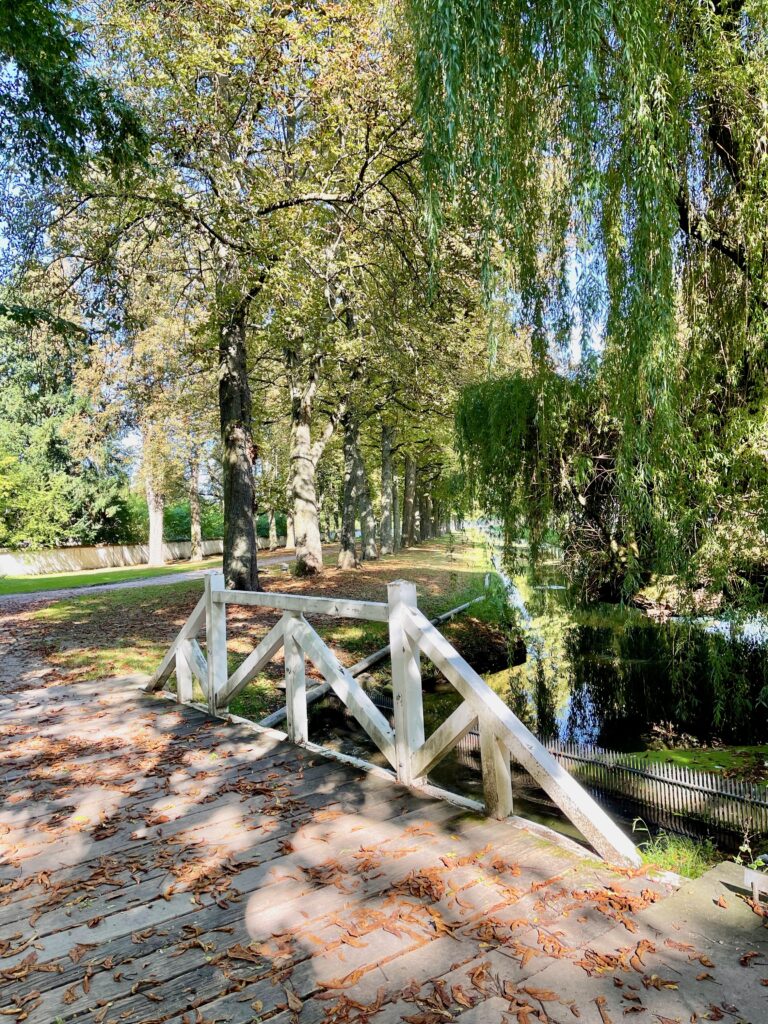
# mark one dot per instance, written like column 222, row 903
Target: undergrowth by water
column 681, row 854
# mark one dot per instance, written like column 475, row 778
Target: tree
column 54, row 115
column 52, row 488
column 619, row 159
column 151, row 379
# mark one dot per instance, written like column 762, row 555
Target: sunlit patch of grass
column 107, row 604
column 734, row 759
column 355, row 636
column 94, row 577
column 107, row 662
column 681, row 854
column 259, row 698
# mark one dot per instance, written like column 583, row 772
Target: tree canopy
column 616, row 156
column 55, row 113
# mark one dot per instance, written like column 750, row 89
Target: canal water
column 611, row 676
column 603, row 675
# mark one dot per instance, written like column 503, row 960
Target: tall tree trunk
column 387, row 488
column 272, row 529
column 304, row 457
column 195, row 521
column 303, row 491
column 429, row 515
column 348, row 549
column 240, row 559
column 365, row 506
column 155, row 507
column 395, row 516
column 421, row 524
column 409, row 496
column 290, row 534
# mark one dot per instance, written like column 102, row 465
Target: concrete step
column 690, row 960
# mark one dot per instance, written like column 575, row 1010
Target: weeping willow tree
column 615, row 156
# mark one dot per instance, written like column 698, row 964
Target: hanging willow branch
column 616, row 155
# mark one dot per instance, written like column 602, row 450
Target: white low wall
column 103, row 556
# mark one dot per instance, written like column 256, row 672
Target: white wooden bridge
column 160, row 865
column 409, row 753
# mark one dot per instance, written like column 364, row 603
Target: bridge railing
column 410, row 753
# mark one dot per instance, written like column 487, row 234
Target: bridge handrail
column 411, row 754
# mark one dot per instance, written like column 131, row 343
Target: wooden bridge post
column 497, row 773
column 295, row 681
column 406, row 680
column 215, row 638
column 184, row 672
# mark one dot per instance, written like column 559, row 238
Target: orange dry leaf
column 543, row 995
column 461, row 997
column 600, row 1003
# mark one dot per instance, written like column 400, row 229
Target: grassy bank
column 94, row 577
column 749, row 762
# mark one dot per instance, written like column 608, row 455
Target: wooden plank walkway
column 159, row 865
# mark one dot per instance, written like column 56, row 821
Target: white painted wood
column 184, row 672
column 357, row 762
column 253, row 664
column 198, row 663
column 375, row 611
column 406, row 680
column 215, row 638
column 757, row 881
column 591, row 820
column 295, row 681
column 190, row 629
column 443, row 739
column 316, row 692
column 497, row 774
column 347, row 690
column 476, row 806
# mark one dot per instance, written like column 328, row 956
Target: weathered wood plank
column 406, row 680
column 295, row 683
column 497, row 775
column 215, row 639
column 444, row 738
column 374, row 611
column 335, row 872
column 197, row 662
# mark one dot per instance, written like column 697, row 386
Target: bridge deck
column 163, row 866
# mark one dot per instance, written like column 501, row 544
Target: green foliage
column 49, row 492
column 681, row 854
column 177, row 523
column 544, row 453
column 54, row 114
column 281, row 525
column 615, row 156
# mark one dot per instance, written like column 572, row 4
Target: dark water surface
column 607, row 674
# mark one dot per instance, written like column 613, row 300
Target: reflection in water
column 609, row 675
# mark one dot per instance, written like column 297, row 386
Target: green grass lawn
column 93, row 577
column 735, row 759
